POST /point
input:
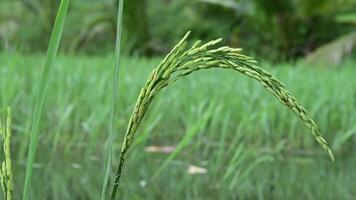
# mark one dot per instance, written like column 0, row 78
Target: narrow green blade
column 113, row 101
column 42, row 93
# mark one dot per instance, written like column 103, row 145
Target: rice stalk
column 6, row 177
column 182, row 61
column 42, row 92
column 113, row 114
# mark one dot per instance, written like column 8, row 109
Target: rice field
column 215, row 135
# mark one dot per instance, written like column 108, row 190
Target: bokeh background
column 222, row 135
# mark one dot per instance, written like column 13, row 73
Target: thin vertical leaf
column 42, row 92
column 113, row 115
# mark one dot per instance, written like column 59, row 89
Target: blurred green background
column 239, row 143
column 273, row 29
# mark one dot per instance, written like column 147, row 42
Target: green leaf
column 42, row 93
column 113, row 115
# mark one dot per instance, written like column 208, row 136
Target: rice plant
column 42, row 92
column 6, row 177
column 182, row 61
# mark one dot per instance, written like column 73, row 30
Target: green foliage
column 292, row 29
column 273, row 29
column 97, row 28
column 179, row 16
column 137, row 34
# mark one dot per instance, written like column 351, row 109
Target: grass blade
column 42, row 92
column 113, row 101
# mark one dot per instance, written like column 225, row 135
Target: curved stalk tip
column 182, row 61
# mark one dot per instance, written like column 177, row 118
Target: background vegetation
column 275, row 29
column 238, row 142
